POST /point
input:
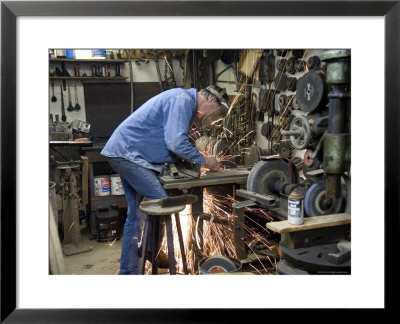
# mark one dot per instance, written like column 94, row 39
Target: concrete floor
column 102, row 259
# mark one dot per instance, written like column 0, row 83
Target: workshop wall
column 226, row 77
column 262, row 142
column 142, row 72
column 145, row 71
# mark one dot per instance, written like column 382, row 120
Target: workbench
column 229, row 179
column 313, row 246
column 227, row 176
column 90, row 160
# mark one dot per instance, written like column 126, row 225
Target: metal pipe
column 337, row 110
column 338, row 77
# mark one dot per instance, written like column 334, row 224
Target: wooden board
column 310, row 223
column 248, row 60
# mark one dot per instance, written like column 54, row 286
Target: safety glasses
column 214, row 116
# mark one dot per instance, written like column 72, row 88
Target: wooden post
column 85, row 179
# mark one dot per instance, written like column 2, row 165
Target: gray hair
column 208, row 94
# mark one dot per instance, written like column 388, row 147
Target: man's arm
column 176, row 127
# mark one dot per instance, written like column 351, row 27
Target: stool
column 154, row 211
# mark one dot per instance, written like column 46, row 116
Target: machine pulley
column 311, row 92
column 266, row 129
column 268, row 177
column 317, row 204
column 300, row 132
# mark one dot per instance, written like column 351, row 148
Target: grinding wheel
column 223, row 147
column 205, row 143
column 316, row 204
column 311, row 92
column 253, row 157
column 265, row 171
column 217, row 264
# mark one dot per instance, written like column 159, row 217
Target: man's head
column 213, row 105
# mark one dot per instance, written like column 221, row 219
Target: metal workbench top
column 227, row 176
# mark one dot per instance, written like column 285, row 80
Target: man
column 155, row 134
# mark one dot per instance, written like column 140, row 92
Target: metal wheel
column 316, row 204
column 218, row 263
column 310, row 164
column 266, row 129
column 265, row 171
column 282, row 101
column 310, row 91
column 313, row 62
column 300, row 123
column 290, row 65
column 284, row 150
column 223, row 147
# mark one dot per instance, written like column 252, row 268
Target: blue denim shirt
column 157, row 132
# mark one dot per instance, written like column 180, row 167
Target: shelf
column 89, row 78
column 88, row 60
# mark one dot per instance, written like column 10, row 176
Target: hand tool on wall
column 64, row 73
column 57, row 72
column 53, row 97
column 117, row 70
column 77, row 106
column 70, row 107
column 63, row 116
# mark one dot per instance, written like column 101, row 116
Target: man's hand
column 212, row 163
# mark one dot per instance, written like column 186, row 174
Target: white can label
column 295, row 211
column 102, row 186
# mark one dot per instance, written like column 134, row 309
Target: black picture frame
column 10, row 10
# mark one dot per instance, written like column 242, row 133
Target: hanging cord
column 158, row 73
column 130, row 77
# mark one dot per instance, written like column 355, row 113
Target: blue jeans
column 138, row 182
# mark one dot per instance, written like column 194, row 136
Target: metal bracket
column 266, row 200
